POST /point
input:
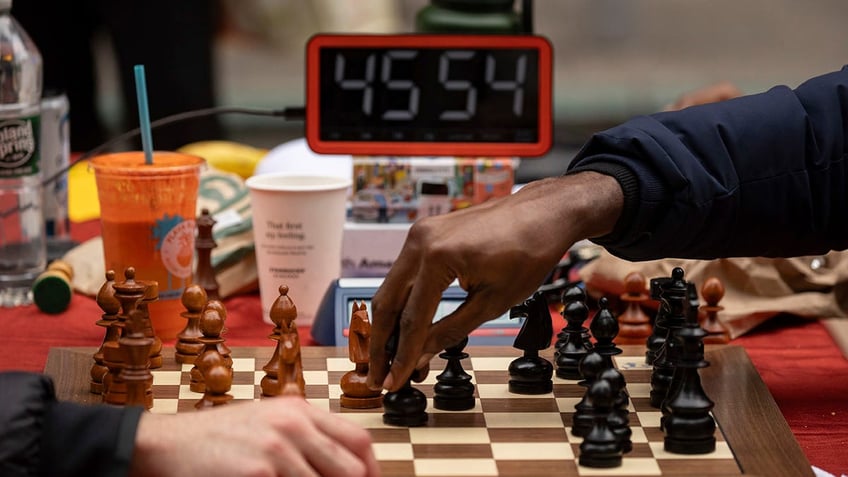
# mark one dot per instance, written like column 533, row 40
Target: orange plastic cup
column 147, row 217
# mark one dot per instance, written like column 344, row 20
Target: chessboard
column 506, row 434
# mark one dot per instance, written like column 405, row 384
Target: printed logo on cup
column 175, row 242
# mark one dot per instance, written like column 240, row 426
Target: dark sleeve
column 42, row 436
column 760, row 175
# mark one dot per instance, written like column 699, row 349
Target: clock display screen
column 420, row 94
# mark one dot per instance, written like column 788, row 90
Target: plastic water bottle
column 23, row 251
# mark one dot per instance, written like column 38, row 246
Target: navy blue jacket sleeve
column 759, row 175
column 42, row 436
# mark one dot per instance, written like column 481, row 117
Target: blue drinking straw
column 143, row 114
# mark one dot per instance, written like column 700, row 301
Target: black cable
column 291, row 113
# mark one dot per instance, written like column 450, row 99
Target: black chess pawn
column 604, row 328
column 590, row 367
column 619, row 417
column 453, row 390
column 406, row 407
column 600, row 447
column 675, row 297
column 531, row 373
column 574, row 343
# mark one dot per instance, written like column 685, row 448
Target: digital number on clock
column 429, row 94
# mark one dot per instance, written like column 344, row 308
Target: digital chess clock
column 445, row 95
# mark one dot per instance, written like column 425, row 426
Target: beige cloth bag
column 756, row 288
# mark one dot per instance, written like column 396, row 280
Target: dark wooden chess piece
column 111, row 306
column 188, row 346
column 604, row 329
column 408, row 405
column 659, row 331
column 590, row 367
column 214, row 314
column 355, row 391
column 136, row 370
column 128, row 293
column 675, row 297
column 574, row 343
column 713, row 291
column 204, row 243
column 619, row 417
column 214, row 366
column 453, row 389
column 688, row 425
column 633, row 323
column 151, row 294
column 600, row 447
column 531, row 373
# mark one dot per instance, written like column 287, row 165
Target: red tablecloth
column 798, row 360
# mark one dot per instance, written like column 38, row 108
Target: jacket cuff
column 629, row 184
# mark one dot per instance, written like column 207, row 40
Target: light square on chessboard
column 455, row 467
column 492, row 363
column 448, row 435
column 627, row 363
column 166, row 378
column 392, row 450
column 523, row 419
column 634, row 466
column 539, row 450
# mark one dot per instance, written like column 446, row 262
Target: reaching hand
column 708, row 94
column 500, row 252
column 282, row 436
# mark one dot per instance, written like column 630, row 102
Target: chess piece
column 284, row 372
column 135, row 347
column 188, row 346
column 128, row 293
column 604, row 328
column 111, row 306
column 660, row 331
column 355, row 392
column 151, row 294
column 211, row 326
column 618, row 419
column 574, row 343
column 531, row 373
column 633, row 323
column 713, row 291
column 600, row 447
column 215, row 367
column 405, row 407
column 204, row 243
column 674, row 297
column 584, row 414
column 688, row 425
column 454, row 390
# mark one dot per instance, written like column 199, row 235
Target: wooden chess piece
column 355, row 392
column 136, row 371
column 531, row 373
column 215, row 367
column 283, row 313
column 211, row 325
column 128, row 293
column 204, row 243
column 111, row 306
column 633, row 323
column 600, row 447
column 573, row 343
column 188, row 346
column 454, row 390
column 713, row 291
column 675, row 299
column 151, row 294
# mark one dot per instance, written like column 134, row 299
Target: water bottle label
column 19, row 150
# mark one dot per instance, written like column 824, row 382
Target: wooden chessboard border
column 748, row 416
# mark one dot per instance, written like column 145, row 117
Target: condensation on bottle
column 23, row 251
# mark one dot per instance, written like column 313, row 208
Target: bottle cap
column 52, row 291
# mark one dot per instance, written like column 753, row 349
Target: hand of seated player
column 273, row 437
column 500, row 251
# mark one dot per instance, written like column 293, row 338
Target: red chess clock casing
column 460, row 95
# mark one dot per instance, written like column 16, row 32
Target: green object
column 469, row 16
column 52, row 292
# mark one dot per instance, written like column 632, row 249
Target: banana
column 227, row 156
